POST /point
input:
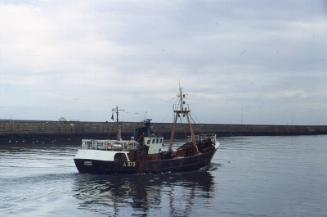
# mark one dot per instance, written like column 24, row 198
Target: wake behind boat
column 146, row 152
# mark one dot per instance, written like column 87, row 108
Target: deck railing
column 114, row 145
column 203, row 137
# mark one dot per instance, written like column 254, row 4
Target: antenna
column 116, row 111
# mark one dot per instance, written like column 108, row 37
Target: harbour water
column 249, row 176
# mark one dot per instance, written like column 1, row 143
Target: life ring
column 109, row 146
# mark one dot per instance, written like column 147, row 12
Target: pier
column 55, row 131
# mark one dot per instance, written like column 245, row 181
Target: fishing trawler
column 146, row 152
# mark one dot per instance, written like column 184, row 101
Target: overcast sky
column 239, row 61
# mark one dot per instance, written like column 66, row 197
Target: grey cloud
column 261, row 57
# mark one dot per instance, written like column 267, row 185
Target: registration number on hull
column 129, row 164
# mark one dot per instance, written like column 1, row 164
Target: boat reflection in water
column 171, row 194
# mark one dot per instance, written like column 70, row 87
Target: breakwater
column 26, row 131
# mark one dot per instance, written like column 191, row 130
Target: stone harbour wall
column 77, row 129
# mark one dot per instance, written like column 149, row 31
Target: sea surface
column 249, row 176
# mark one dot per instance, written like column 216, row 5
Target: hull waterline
column 189, row 163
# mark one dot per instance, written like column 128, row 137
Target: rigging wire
column 184, row 128
column 195, row 126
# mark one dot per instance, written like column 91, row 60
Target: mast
column 116, row 111
column 181, row 110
